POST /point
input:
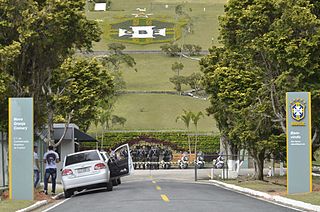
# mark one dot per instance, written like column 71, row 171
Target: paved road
column 142, row 192
column 95, row 53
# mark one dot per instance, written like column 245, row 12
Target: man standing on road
column 50, row 158
column 36, row 166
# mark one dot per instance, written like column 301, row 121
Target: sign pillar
column 21, row 148
column 299, row 143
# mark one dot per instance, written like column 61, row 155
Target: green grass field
column 159, row 112
column 154, row 71
column 155, row 111
column 205, row 30
column 14, row 205
column 277, row 186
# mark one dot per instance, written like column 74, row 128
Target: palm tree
column 195, row 119
column 186, row 118
column 104, row 121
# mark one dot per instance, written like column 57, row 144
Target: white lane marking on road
column 56, row 205
column 165, row 198
column 154, row 182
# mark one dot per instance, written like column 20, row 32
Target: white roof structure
column 100, row 6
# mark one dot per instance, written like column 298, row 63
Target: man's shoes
column 45, row 192
column 53, row 193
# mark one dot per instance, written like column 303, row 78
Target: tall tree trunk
column 260, row 165
column 189, row 143
column 50, row 136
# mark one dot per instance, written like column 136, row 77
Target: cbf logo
column 298, row 108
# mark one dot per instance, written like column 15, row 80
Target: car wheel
column 119, row 181
column 68, row 193
column 109, row 186
column 114, row 182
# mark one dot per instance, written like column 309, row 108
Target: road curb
column 34, row 206
column 41, row 203
column 275, row 198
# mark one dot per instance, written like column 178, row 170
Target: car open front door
column 121, row 162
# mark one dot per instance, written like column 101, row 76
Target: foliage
column 171, row 49
column 206, row 143
column 177, row 67
column 186, row 117
column 177, row 81
column 118, row 120
column 114, row 60
column 41, row 35
column 86, row 84
column 194, row 81
column 270, row 48
column 191, row 49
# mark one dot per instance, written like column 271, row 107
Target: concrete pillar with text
column 299, row 143
column 21, row 148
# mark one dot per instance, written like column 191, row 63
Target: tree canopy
column 36, row 38
column 269, row 48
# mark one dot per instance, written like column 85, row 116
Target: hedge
column 178, row 140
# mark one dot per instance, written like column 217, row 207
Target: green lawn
column 154, row 71
column 155, row 111
column 205, row 31
column 14, row 205
column 277, row 186
column 158, row 112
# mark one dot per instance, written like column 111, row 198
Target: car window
column 82, row 157
column 121, row 153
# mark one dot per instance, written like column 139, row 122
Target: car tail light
column 99, row 166
column 66, row 172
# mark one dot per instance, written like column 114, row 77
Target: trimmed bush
column 177, row 140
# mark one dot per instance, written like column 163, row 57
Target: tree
column 43, row 34
column 278, row 42
column 172, row 50
column 186, row 118
column 87, row 84
column 191, row 49
column 195, row 117
column 177, row 81
column 118, row 120
column 177, row 67
column 194, row 81
column 179, row 10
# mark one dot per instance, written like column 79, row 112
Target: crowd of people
column 148, row 157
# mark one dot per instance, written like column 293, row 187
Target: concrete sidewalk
column 268, row 197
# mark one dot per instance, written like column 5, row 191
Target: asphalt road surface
column 157, row 192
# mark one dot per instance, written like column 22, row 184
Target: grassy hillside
column 157, row 111
column 204, row 14
column 154, row 71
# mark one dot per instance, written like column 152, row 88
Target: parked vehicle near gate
column 200, row 160
column 183, row 162
column 92, row 169
column 219, row 162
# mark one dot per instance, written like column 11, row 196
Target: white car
column 91, row 169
